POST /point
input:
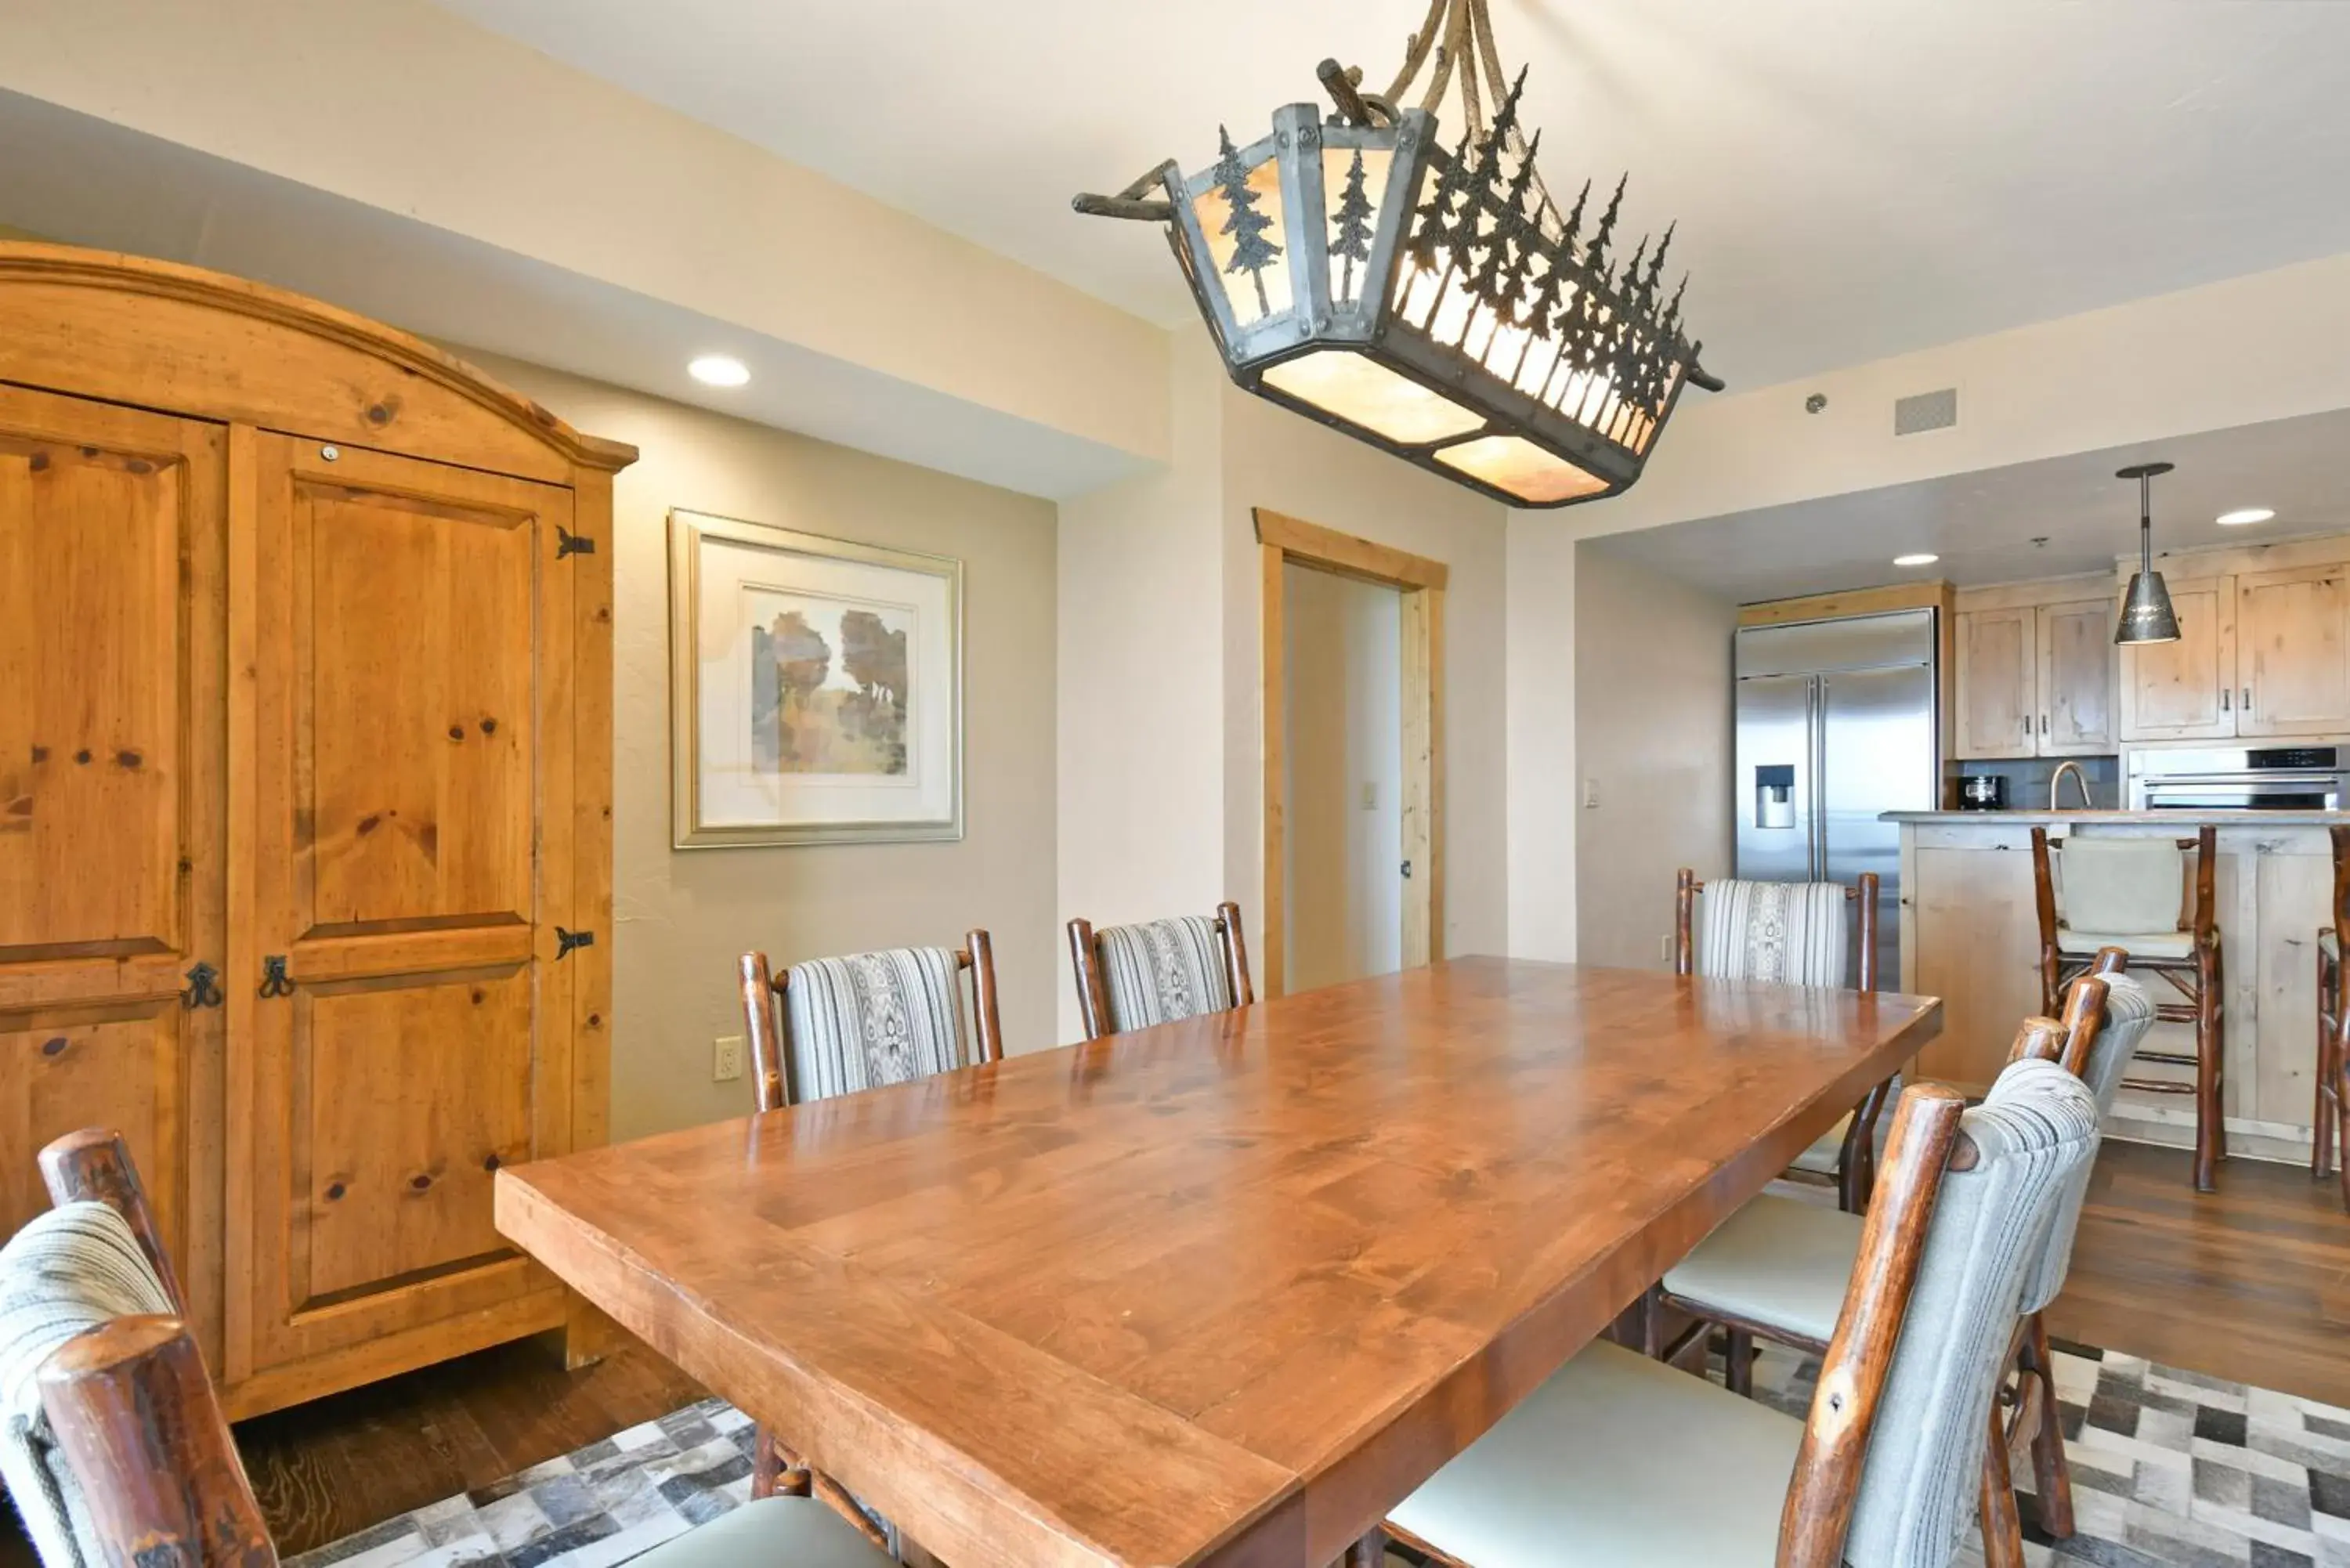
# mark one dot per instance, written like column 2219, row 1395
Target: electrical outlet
column 1590, row 794
column 1665, row 946
column 1370, row 795
column 726, row 1058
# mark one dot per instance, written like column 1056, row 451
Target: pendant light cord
column 1458, row 35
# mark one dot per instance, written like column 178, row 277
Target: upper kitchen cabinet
column 2185, row 690
column 2292, row 657
column 2035, row 680
column 2076, row 679
column 1998, row 683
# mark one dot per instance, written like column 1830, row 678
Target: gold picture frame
column 815, row 689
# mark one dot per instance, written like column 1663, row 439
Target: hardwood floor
column 2251, row 1284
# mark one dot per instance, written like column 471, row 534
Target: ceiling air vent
column 1926, row 412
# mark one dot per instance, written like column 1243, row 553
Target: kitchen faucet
column 2079, row 777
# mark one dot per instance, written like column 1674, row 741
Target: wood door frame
column 1421, row 582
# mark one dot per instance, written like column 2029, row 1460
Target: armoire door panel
column 414, row 1090
column 112, row 799
column 121, row 1065
column 412, row 626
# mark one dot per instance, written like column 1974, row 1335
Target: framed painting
column 815, row 687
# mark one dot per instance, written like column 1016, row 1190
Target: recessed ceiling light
column 2244, row 517
column 1922, row 559
column 719, row 370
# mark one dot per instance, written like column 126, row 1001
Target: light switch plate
column 726, row 1058
column 1590, row 794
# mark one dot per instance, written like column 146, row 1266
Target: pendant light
column 1424, row 292
column 2147, row 615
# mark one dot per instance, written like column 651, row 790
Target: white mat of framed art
column 815, row 687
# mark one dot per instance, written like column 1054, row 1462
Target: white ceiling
column 1983, row 524
column 1853, row 177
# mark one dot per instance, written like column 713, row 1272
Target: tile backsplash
column 2028, row 778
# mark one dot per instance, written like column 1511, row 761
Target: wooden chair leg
column 1738, row 1364
column 2051, row 1478
column 2002, row 1530
column 2211, row 1129
column 2323, row 1121
column 776, row 1469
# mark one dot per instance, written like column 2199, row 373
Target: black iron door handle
column 275, row 981
column 203, row 988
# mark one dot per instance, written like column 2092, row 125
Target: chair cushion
column 2137, row 944
column 871, row 1019
column 1788, row 931
column 770, row 1532
column 1162, row 971
column 1779, row 1261
column 2129, row 885
column 73, row 1269
column 1617, row 1462
column 2129, row 1013
column 1825, row 1156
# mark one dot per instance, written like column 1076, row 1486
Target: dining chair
column 112, row 1441
column 845, row 1024
column 2157, row 897
column 1779, row 1268
column 1622, row 1461
column 1793, row 932
column 1131, row 977
column 2329, row 1145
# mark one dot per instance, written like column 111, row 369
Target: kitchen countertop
column 2126, row 818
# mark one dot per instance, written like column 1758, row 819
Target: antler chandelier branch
column 1434, row 302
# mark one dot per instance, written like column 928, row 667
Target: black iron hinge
column 566, row 543
column 203, row 988
column 566, row 941
column 275, row 980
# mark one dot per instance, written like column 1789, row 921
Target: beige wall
column 1342, row 735
column 682, row 916
column 1652, row 721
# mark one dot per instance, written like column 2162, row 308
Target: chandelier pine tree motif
column 1433, row 302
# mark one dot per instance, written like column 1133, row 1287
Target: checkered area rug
column 2170, row 1470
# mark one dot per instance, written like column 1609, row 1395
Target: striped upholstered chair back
column 1793, row 932
column 1131, row 977
column 866, row 1020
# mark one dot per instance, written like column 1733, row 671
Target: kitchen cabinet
column 2263, row 653
column 2292, row 657
column 1999, row 666
column 2035, row 680
column 2185, row 690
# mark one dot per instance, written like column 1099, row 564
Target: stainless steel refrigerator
column 1837, row 725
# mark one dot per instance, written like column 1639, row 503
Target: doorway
column 1353, row 697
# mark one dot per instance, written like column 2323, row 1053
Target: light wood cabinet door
column 405, row 734
column 2076, row 679
column 2185, row 690
column 112, row 789
column 2292, row 657
column 1998, row 674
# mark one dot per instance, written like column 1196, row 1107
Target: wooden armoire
column 305, row 802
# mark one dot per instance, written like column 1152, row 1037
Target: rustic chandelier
column 1433, row 303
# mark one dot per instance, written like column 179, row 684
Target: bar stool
column 2329, row 1133
column 2155, row 898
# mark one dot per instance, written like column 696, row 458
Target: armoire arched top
column 246, row 352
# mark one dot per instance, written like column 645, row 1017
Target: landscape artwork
column 828, row 685
column 816, row 688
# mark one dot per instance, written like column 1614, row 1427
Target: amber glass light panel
column 1364, row 392
column 1517, row 465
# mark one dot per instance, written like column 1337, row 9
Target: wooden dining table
column 1220, row 1292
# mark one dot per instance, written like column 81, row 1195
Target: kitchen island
column 1970, row 935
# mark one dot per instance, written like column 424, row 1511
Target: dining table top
column 1219, row 1291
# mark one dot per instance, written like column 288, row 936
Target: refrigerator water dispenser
column 1774, row 796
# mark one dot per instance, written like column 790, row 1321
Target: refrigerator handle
column 1819, row 730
